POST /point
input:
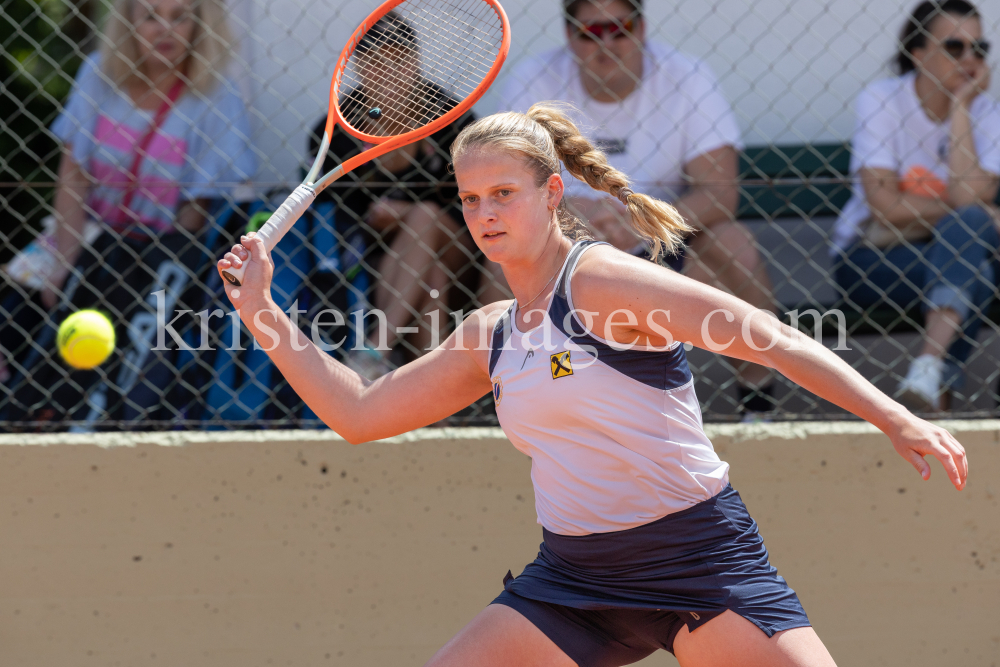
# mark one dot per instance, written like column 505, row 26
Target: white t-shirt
column 892, row 131
column 677, row 114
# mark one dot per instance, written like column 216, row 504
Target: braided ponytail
column 655, row 221
column 545, row 136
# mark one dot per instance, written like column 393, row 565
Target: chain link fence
column 755, row 117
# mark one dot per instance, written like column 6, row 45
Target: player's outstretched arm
column 431, row 388
column 608, row 281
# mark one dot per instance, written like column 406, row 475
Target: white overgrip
column 276, row 227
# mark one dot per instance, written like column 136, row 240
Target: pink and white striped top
column 201, row 150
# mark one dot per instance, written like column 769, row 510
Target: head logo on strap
column 497, row 390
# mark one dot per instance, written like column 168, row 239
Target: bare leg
column 729, row 640
column 383, row 220
column 388, row 274
column 726, row 256
column 941, row 331
column 414, row 254
column 500, row 637
column 434, row 314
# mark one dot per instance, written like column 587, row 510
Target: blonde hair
column 546, row 136
column 211, row 45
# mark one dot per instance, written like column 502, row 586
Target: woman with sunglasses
column 920, row 229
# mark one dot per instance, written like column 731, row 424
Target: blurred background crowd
column 835, row 160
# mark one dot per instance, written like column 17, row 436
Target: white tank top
column 615, row 436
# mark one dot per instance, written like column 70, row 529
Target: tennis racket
column 410, row 69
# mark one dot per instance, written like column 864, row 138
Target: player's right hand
column 917, row 438
column 255, row 292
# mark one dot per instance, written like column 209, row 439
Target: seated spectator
column 659, row 116
column 151, row 132
column 920, row 228
column 408, row 201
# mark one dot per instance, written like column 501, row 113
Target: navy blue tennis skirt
column 612, row 598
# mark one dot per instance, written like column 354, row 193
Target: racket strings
column 418, row 62
column 426, row 102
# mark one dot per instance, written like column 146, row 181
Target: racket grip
column 276, row 227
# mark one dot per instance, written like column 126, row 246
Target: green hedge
column 41, row 44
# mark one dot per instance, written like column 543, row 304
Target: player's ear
column 554, row 189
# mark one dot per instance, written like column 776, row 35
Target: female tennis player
column 646, row 545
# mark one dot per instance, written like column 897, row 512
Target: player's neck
column 532, row 283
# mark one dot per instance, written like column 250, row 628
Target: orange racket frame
column 282, row 220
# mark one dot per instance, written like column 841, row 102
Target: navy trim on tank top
column 569, row 266
column 660, row 369
column 501, row 334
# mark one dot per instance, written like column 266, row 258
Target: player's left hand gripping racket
column 410, row 69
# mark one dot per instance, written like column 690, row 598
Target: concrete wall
column 293, row 548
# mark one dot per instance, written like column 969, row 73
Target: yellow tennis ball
column 86, row 338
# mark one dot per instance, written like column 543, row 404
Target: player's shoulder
column 487, row 316
column 608, row 274
column 607, row 280
column 605, row 267
column 491, row 313
column 475, row 333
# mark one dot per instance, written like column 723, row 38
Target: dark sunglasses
column 598, row 31
column 956, row 48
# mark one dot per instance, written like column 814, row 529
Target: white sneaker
column 921, row 388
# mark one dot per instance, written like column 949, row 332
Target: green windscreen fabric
column 794, row 181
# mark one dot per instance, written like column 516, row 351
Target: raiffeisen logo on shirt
column 561, row 365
